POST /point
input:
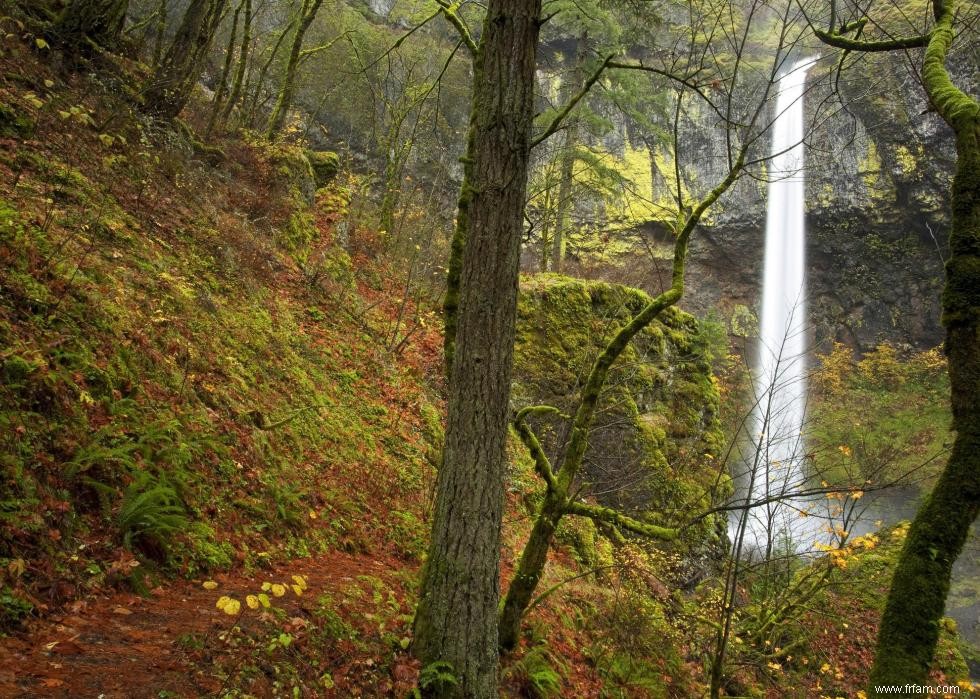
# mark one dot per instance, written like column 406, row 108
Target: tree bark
column 285, row 100
column 86, row 24
column 178, row 72
column 222, row 87
column 567, row 171
column 456, row 621
column 529, row 570
column 909, row 628
column 236, row 89
column 252, row 115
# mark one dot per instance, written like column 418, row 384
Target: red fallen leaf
column 403, row 672
column 68, row 648
column 54, row 535
column 122, row 610
column 52, row 682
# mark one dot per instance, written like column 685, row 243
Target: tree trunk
column 174, row 80
column 252, row 115
column 567, row 171
column 236, row 89
column 456, row 621
column 285, row 100
column 529, row 571
column 222, row 86
column 160, row 31
column 558, row 503
column 86, row 24
column 916, row 600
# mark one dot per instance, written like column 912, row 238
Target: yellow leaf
column 264, row 600
column 266, row 586
column 209, row 585
column 252, row 601
column 232, row 607
column 300, row 580
column 222, row 601
column 298, row 590
column 278, row 590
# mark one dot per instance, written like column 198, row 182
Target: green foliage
column 331, row 627
column 538, row 673
column 634, row 646
column 150, row 514
column 13, row 608
column 883, row 418
column 437, row 677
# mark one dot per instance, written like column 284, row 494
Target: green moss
column 324, row 165
column 13, row 124
column 658, row 411
column 906, row 161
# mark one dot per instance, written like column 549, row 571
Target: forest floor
column 175, row 642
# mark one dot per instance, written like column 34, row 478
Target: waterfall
column 776, row 466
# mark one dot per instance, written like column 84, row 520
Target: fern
column 436, row 677
column 537, row 674
column 149, row 514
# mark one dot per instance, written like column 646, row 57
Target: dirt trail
column 126, row 646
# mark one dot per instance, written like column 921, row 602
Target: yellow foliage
column 278, row 590
column 834, row 369
column 883, row 366
column 252, row 601
column 210, row 585
column 228, row 605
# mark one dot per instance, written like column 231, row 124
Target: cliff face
column 878, row 174
column 878, row 170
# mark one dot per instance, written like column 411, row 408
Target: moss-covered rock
column 325, row 165
column 656, row 431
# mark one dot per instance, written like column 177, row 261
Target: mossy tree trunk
column 173, row 81
column 910, row 625
column 396, row 152
column 456, row 620
column 285, row 100
column 159, row 31
column 222, row 87
column 243, row 53
column 89, row 24
column 252, row 112
column 560, row 496
column 567, row 168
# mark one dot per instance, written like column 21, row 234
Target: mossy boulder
column 292, row 170
column 325, row 165
column 656, row 432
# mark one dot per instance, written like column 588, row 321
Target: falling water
column 777, row 465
